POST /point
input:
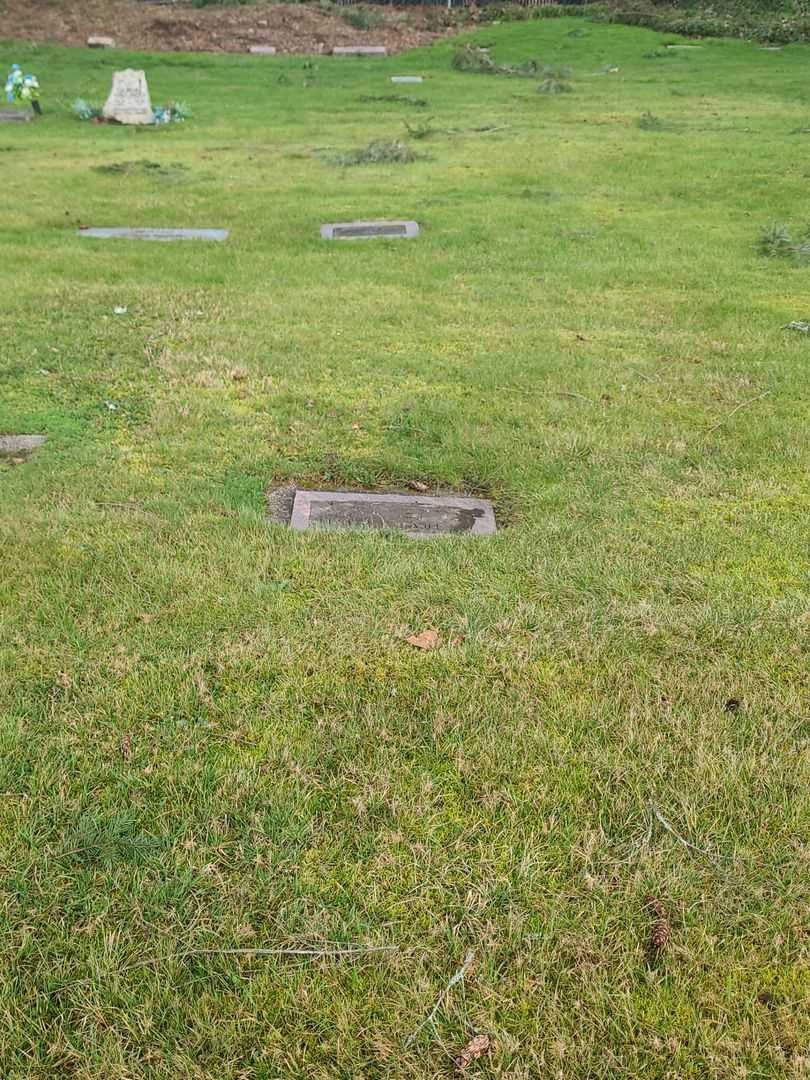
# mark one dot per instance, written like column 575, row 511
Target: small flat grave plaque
column 16, row 116
column 100, row 42
column 417, row 515
column 365, row 230
column 406, row 79
column 164, row 235
column 12, row 445
column 263, row 50
column 359, row 50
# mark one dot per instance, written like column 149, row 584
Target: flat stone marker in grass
column 16, row 116
column 263, row 50
column 417, row 515
column 98, row 41
column 406, row 79
column 360, row 50
column 366, row 230
column 164, row 235
column 14, row 445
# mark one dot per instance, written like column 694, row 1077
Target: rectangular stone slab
column 100, row 42
column 16, row 116
column 359, row 50
column 406, row 79
column 263, row 50
column 20, row 444
column 155, row 234
column 417, row 515
column 365, row 230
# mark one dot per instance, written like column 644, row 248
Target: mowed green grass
column 213, row 733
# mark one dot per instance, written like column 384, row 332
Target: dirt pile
column 291, row 28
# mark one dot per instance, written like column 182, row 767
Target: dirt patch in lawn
column 291, row 28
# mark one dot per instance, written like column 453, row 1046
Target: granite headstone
column 417, row 515
column 129, row 101
column 365, row 230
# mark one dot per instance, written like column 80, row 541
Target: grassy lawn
column 213, row 733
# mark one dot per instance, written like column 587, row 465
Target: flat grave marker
column 360, row 50
column 263, row 50
column 406, row 79
column 98, row 41
column 416, row 515
column 13, row 445
column 16, row 116
column 164, row 235
column 366, row 230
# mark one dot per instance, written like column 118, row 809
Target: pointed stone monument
column 129, row 102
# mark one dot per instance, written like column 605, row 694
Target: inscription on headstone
column 129, row 101
column 417, row 515
column 365, row 230
column 154, row 234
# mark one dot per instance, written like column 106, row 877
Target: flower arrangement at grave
column 173, row 113
column 23, row 89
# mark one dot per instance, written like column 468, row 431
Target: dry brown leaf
column 428, row 639
column 126, row 748
column 417, row 485
column 475, row 1048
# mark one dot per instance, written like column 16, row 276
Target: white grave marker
column 359, row 50
column 164, row 235
column 129, row 101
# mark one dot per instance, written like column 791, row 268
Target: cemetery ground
column 227, row 777
column 293, row 28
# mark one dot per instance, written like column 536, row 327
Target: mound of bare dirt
column 176, row 27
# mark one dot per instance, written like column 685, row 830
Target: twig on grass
column 340, row 950
column 659, row 817
column 440, row 1000
column 133, row 507
column 735, row 410
column 570, row 394
column 321, row 952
